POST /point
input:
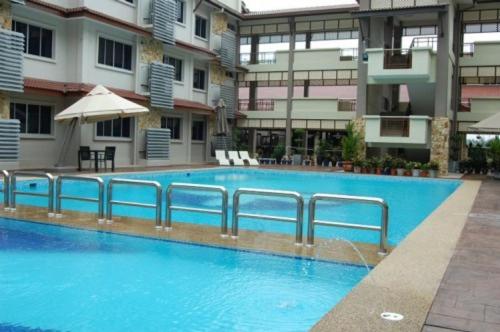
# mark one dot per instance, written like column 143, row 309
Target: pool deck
column 469, row 296
column 397, row 284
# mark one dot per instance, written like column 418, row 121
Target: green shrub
column 350, row 143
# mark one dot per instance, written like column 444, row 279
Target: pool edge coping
column 396, row 284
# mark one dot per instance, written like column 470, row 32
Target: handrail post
column 13, row 185
column 158, row 207
column 236, row 211
column 51, row 194
column 100, row 206
column 6, row 190
column 168, row 220
column 223, row 227
column 299, row 228
column 384, row 229
column 109, row 205
column 58, row 196
column 310, row 221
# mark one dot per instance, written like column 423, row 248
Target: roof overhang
column 400, row 11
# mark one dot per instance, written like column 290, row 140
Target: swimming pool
column 61, row 279
column 410, row 200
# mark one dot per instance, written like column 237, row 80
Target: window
column 174, row 124
column 114, row 54
column 180, row 10
column 114, row 128
column 34, row 119
column 37, row 41
column 200, row 29
column 199, row 79
column 130, row 1
column 198, row 130
column 177, row 63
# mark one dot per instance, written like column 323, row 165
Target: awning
column 100, row 104
column 489, row 125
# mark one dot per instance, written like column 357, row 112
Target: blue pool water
column 60, row 279
column 410, row 200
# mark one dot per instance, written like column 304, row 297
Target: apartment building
column 409, row 82
column 405, row 71
column 176, row 57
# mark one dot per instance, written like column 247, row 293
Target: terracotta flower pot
column 394, row 171
column 364, row 170
column 347, row 165
column 378, row 171
column 407, row 173
column 424, row 174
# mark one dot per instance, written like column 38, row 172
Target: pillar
column 5, row 23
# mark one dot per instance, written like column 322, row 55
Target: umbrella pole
column 67, row 139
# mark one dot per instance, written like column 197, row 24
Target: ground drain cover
column 392, row 316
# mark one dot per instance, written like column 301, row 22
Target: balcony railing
column 347, row 105
column 397, row 127
column 397, row 59
column 257, row 58
column 423, row 42
column 468, row 49
column 348, row 54
column 256, row 105
column 392, row 4
column 465, row 105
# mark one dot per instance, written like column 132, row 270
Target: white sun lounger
column 251, row 161
column 220, row 155
column 233, row 155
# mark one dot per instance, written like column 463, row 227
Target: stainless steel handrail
column 6, row 189
column 188, row 186
column 383, row 228
column 157, row 206
column 99, row 200
column 49, row 194
column 298, row 220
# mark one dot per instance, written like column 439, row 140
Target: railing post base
column 310, row 245
column 12, row 209
column 167, row 229
column 383, row 253
column 101, row 221
column 59, row 215
column 298, row 244
column 159, row 228
column 51, row 214
column 234, row 237
column 224, row 236
column 109, row 221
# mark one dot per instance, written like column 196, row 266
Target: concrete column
column 443, row 74
column 362, row 88
column 289, row 97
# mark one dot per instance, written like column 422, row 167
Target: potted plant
column 350, row 146
column 388, row 165
column 408, row 168
column 433, row 169
column 378, row 165
column 278, row 152
column 399, row 164
column 322, row 151
column 357, row 163
column 364, row 166
column 416, row 169
column 424, row 170
column 494, row 153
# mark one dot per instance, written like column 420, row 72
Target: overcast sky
column 258, row 5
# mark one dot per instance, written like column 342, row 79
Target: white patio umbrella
column 98, row 105
column 490, row 125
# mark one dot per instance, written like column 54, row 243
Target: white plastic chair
column 237, row 161
column 251, row 161
column 220, row 155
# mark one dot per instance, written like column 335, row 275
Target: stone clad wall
column 359, row 126
column 440, row 143
column 151, row 51
column 5, row 23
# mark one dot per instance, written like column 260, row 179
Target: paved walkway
column 468, row 298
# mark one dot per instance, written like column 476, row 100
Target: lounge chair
column 235, row 158
column 251, row 161
column 220, row 155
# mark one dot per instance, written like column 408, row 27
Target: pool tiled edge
column 400, row 283
column 273, row 243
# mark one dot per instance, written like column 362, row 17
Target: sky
column 258, row 5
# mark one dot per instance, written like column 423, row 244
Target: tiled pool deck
column 405, row 282
column 469, row 296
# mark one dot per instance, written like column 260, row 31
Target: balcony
column 398, row 131
column 258, row 58
column 395, row 4
column 401, row 66
column 256, row 105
